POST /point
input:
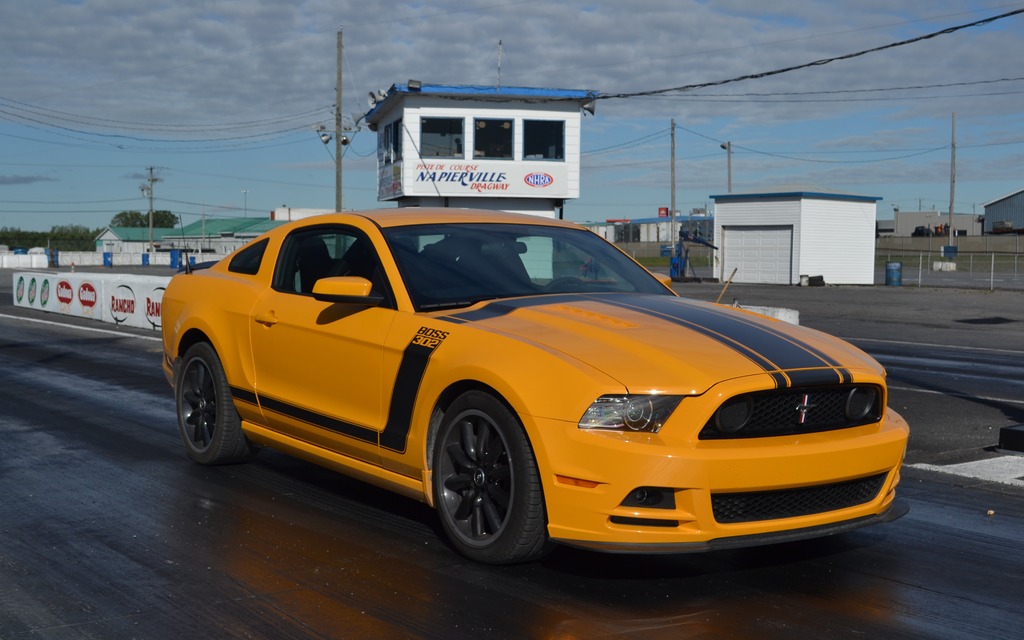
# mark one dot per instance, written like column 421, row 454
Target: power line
column 816, row 63
column 863, row 90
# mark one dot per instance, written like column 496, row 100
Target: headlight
column 629, row 413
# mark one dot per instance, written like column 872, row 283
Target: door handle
column 268, row 318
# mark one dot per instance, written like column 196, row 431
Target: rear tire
column 208, row 422
column 486, row 485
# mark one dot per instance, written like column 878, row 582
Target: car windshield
column 447, row 266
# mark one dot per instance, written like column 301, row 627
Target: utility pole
column 338, row 137
column 149, row 191
column 952, row 183
column 728, row 153
column 672, row 206
column 499, row 64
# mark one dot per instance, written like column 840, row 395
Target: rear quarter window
column 248, row 260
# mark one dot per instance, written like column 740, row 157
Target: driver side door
column 318, row 365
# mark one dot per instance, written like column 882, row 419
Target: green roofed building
column 215, row 236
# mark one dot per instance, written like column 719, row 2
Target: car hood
column 669, row 344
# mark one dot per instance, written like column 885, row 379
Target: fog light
column 651, row 498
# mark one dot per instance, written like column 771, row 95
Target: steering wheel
column 571, row 283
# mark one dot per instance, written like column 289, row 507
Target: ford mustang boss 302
column 532, row 383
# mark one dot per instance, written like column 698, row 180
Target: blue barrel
column 108, row 259
column 145, row 259
column 175, row 258
column 893, row 274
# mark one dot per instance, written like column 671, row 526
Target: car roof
column 404, row 216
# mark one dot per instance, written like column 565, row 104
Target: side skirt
column 379, row 477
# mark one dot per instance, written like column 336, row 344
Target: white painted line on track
column 1006, row 469
column 932, row 344
column 80, row 328
column 965, row 396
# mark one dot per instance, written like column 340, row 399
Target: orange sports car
column 532, row 383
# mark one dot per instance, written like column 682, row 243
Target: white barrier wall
column 128, row 300
column 23, row 261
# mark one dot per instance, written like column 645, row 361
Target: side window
column 389, row 143
column 543, row 140
column 324, row 252
column 249, row 259
column 492, row 139
column 441, row 137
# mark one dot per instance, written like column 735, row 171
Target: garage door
column 761, row 254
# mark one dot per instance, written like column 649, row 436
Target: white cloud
column 125, row 84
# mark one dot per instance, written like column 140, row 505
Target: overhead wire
column 815, row 63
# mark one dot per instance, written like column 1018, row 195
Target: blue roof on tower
column 480, row 92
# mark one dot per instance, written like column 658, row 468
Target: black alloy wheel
column 207, row 420
column 486, row 484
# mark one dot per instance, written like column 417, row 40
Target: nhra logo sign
column 539, row 179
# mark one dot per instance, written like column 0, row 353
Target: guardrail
column 122, row 299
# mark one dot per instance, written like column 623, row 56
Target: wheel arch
column 191, row 337
column 447, row 397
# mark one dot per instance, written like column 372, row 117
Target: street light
column 728, row 152
column 245, row 202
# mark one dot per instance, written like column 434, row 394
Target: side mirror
column 350, row 289
column 662, row 278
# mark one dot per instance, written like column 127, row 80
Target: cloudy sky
column 222, row 98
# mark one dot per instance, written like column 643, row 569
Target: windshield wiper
column 455, row 304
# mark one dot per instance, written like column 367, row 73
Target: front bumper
column 896, row 510
column 590, row 477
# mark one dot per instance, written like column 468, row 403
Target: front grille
column 790, row 411
column 790, row 503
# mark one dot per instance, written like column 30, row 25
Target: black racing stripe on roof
column 770, row 349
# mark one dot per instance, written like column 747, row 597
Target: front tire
column 208, row 422
column 486, row 485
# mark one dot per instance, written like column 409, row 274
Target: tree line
column 76, row 237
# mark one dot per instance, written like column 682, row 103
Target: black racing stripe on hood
column 770, row 349
column 774, row 351
column 844, row 374
column 500, row 308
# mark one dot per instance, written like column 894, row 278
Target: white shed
column 776, row 237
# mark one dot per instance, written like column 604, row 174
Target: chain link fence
column 967, row 270
column 981, row 262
